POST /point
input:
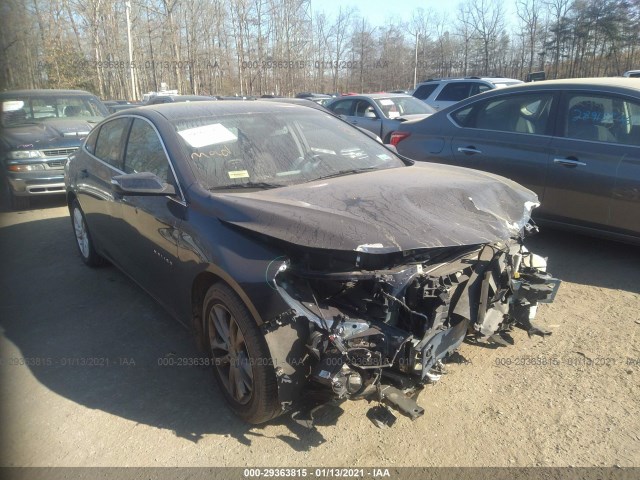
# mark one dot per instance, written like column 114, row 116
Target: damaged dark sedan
column 307, row 258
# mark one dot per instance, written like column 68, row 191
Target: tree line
column 281, row 47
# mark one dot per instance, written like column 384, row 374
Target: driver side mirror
column 141, row 184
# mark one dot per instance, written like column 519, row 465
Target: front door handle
column 469, row 150
column 570, row 162
column 84, row 173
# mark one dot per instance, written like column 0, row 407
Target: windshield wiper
column 345, row 172
column 263, row 185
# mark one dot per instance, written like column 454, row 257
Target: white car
column 441, row 93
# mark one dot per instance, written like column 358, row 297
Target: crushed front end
column 379, row 325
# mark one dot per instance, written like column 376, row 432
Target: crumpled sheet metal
column 385, row 211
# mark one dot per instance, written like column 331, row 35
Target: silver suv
column 39, row 129
column 440, row 93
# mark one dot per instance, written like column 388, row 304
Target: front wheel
column 83, row 237
column 242, row 362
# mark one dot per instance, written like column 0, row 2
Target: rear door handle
column 84, row 173
column 569, row 162
column 469, row 150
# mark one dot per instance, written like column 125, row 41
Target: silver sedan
column 380, row 113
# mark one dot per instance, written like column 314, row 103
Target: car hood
column 383, row 211
column 43, row 135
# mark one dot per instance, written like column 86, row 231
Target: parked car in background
column 632, row 74
column 158, row 99
column 307, row 257
column 444, row 92
column 120, row 107
column 164, row 91
column 319, row 98
column 308, row 102
column 234, row 97
column 576, row 143
column 116, row 105
column 40, row 128
column 380, row 113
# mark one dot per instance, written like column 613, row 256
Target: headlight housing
column 25, row 167
column 24, row 154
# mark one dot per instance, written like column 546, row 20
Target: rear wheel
column 242, row 362
column 83, row 237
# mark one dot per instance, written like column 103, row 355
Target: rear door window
column 423, row 91
column 477, row 88
column 455, row 91
column 516, row 113
column 602, row 118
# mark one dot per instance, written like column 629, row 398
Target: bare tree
column 338, row 37
column 486, row 19
column 558, row 11
column 529, row 12
column 281, row 46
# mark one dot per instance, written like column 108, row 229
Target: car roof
column 305, row 102
column 501, row 79
column 185, row 97
column 375, row 96
column 471, row 79
column 581, row 83
column 184, row 110
column 43, row 92
column 457, row 79
column 311, row 94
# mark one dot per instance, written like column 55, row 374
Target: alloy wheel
column 230, row 354
column 80, row 229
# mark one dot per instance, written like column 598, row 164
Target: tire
column 83, row 237
column 241, row 360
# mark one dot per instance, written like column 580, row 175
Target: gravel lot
column 570, row 399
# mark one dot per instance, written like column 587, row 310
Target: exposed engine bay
column 380, row 326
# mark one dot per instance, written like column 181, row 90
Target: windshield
column 22, row 110
column 275, row 149
column 394, row 107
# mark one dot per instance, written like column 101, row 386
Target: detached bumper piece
column 382, row 334
column 513, row 285
column 401, row 402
